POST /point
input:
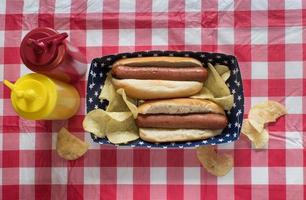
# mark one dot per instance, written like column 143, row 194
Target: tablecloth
column 267, row 37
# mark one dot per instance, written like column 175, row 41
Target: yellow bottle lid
column 33, row 96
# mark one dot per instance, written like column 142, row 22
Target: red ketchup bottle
column 44, row 50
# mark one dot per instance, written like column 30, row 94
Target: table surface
column 268, row 38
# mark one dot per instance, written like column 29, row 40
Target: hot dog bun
column 180, row 106
column 181, row 119
column 176, row 135
column 159, row 77
column 157, row 89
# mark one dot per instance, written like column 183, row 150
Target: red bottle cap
column 40, row 48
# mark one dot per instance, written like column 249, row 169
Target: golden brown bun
column 157, row 89
column 180, row 106
column 175, row 135
column 160, row 61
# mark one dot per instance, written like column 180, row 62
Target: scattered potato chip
column 259, row 139
column 226, row 102
column 215, row 83
column 116, row 102
column 265, row 112
column 69, row 146
column 221, row 69
column 225, row 76
column 131, row 103
column 214, row 163
column 203, row 94
column 118, row 127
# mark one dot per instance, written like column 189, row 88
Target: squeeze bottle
column 38, row 97
column 45, row 51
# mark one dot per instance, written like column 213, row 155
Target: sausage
column 189, row 121
column 160, row 73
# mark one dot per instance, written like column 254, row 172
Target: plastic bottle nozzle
column 28, row 94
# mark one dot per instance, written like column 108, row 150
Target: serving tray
column 101, row 66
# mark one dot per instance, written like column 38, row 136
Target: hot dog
column 159, row 77
column 182, row 119
column 198, row 121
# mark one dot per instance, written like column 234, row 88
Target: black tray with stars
column 101, row 66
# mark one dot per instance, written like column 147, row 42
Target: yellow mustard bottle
column 38, row 97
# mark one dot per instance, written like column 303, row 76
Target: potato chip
column 215, row 163
column 225, row 76
column 265, row 112
column 226, row 102
column 69, row 146
column 221, row 69
column 203, row 94
column 131, row 103
column 118, row 127
column 116, row 102
column 259, row 139
column 215, row 83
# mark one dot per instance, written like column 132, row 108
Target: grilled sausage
column 192, row 121
column 160, row 73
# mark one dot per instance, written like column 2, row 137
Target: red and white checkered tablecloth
column 269, row 40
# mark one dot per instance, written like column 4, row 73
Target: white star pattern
column 227, row 135
column 204, row 141
column 155, row 54
column 101, row 87
column 172, row 143
column 91, row 86
column 102, row 64
column 239, row 98
column 213, row 143
column 132, row 145
column 235, row 134
column 196, row 145
column 210, row 60
column 140, row 143
column 149, row 146
column 229, row 125
column 123, row 56
column 164, row 147
column 96, row 107
column 233, row 61
column 139, row 55
column 109, row 66
column 101, row 75
column 181, row 146
column 212, row 138
column 225, row 62
column 239, row 112
column 218, row 56
column 109, row 59
column 229, row 141
column 236, row 124
column 228, row 112
column 90, row 100
column 95, row 64
column 202, row 55
column 171, row 54
column 220, row 140
column 238, row 84
column 234, row 105
column 188, row 143
column 94, row 74
column 233, row 91
column 186, row 55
